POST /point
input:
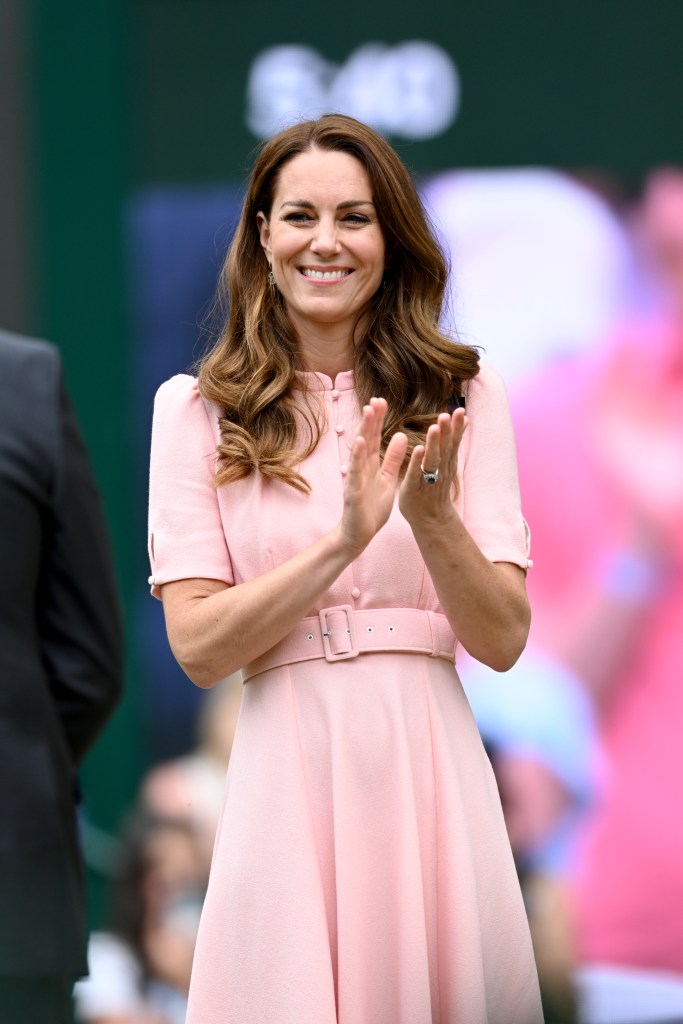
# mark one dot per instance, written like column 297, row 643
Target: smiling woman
column 384, row 322
column 326, row 253
column 319, row 520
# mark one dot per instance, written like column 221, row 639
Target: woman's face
column 323, row 240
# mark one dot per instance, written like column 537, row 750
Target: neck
column 326, row 350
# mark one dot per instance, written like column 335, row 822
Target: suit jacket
column 60, row 659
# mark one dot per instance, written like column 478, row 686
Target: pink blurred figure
column 601, row 466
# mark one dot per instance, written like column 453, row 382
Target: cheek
column 285, row 248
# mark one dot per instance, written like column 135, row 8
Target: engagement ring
column 429, row 478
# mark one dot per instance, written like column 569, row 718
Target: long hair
column 400, row 354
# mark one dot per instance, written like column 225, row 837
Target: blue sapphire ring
column 429, row 478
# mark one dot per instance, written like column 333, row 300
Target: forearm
column 485, row 602
column 215, row 630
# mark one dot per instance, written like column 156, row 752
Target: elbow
column 497, row 656
column 203, row 678
column 503, row 661
column 203, row 675
column 508, row 654
column 199, row 669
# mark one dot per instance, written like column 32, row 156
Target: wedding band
column 429, row 478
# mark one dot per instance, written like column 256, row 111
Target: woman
column 320, row 520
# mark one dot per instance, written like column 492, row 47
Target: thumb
column 394, row 456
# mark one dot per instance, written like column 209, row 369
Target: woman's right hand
column 215, row 629
column 371, row 481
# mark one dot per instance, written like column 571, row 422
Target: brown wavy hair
column 400, row 354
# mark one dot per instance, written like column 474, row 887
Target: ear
column 264, row 232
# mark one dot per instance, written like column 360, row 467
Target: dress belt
column 340, row 633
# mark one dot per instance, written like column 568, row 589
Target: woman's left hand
column 484, row 601
column 423, row 503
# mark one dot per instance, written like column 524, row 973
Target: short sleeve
column 186, row 537
column 491, row 506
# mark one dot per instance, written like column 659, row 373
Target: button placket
column 344, row 451
column 340, row 430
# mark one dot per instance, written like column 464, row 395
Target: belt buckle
column 343, row 652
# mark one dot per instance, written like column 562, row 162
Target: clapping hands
column 372, row 481
column 420, row 500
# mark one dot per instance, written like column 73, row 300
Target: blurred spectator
column 60, row 677
column 659, row 233
column 140, row 969
column 191, row 788
column 540, row 264
column 540, row 726
column 541, row 723
column 601, row 466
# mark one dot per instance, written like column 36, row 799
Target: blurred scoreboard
column 452, row 84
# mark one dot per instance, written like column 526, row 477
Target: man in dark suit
column 60, row 677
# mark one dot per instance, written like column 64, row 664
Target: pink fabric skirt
column 362, row 873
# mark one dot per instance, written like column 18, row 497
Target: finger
column 444, row 427
column 367, row 428
column 394, row 456
column 367, row 424
column 450, row 427
column 431, row 459
column 448, row 447
column 413, row 476
column 458, row 425
column 357, row 459
column 379, row 408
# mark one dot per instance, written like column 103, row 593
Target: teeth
column 324, row 275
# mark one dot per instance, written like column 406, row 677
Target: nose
column 325, row 241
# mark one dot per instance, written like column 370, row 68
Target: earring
column 271, row 279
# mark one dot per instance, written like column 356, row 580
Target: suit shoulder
column 31, row 376
column 20, row 351
column 30, row 385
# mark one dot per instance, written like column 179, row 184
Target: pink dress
column 362, row 872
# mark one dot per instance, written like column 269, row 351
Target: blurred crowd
column 584, row 730
column 140, row 965
column 579, row 301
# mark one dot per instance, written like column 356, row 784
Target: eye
column 356, row 218
column 299, row 217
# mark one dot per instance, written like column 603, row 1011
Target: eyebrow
column 347, row 205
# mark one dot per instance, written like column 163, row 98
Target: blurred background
column 546, row 140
